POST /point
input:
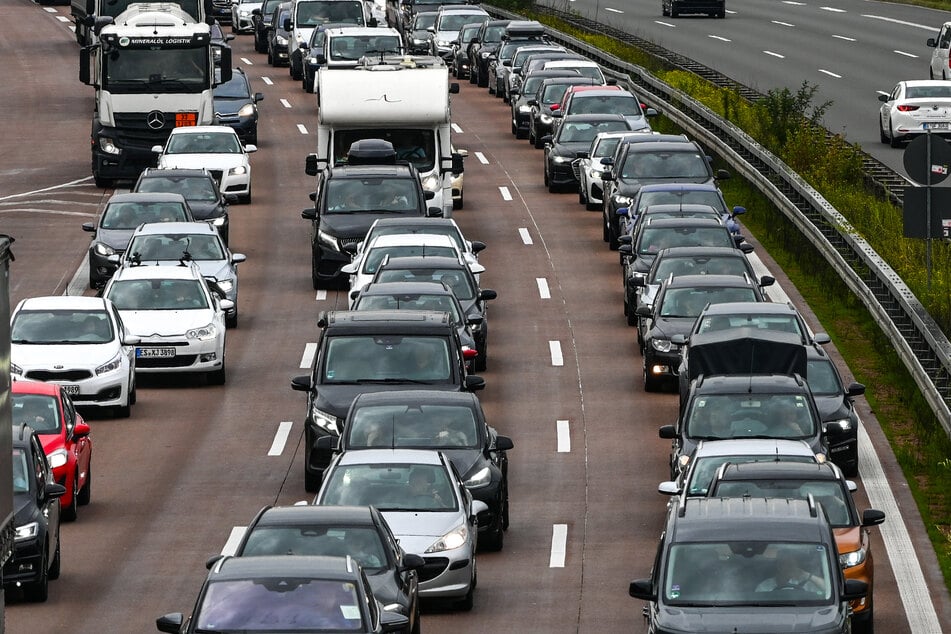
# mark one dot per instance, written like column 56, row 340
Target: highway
column 175, row 482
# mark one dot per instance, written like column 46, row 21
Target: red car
column 65, row 436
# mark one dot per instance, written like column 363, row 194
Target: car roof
column 376, row 320
column 779, row 447
column 755, row 519
column 414, row 220
column 150, row 197
column 665, row 146
column 593, row 117
column 165, row 228
column 158, row 272
column 415, row 397
column 312, row 514
column 669, row 187
column 690, row 252
column 750, row 384
column 573, row 61
column 571, row 80
column 769, row 308
column 204, row 129
column 663, row 223
column 61, row 302
column 696, row 281
column 674, row 207
column 360, row 30
column 596, row 88
column 780, row 470
column 306, row 566
column 425, row 262
column 405, row 288
column 391, row 456
column 176, row 172
column 26, row 386
column 399, row 170
column 412, row 239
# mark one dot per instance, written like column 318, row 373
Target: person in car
column 789, row 575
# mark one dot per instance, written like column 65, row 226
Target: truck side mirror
column 457, row 163
column 310, row 165
column 84, row 75
column 288, row 25
column 225, row 65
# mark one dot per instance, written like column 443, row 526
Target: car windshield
column 584, row 131
column 674, row 266
column 316, row 12
column 410, row 301
column 204, row 143
column 20, row 470
column 455, row 21
column 360, row 542
column 689, row 302
column 554, row 93
column 722, row 416
column 604, row 104
column 61, row 327
column 391, row 487
column 416, row 146
column 353, row 47
column 780, row 323
column 170, row 247
column 933, row 91
column 747, row 573
column 656, row 164
column 704, row 468
column 374, row 256
column 387, row 359
column 157, row 294
column 348, row 195
column 680, row 197
column 415, row 426
column 424, row 20
column 456, row 279
column 606, row 147
column 192, row 188
column 830, row 493
column 235, row 88
column 653, row 239
column 39, row 411
column 129, row 215
column 493, row 34
column 279, row 604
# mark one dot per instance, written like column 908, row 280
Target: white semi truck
column 153, row 69
column 405, row 102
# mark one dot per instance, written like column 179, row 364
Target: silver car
column 426, row 505
column 199, row 242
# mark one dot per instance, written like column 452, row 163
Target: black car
column 221, row 11
column 359, row 532
column 547, row 98
column 484, row 44
column 418, row 39
column 574, row 136
column 313, row 53
column 237, row 106
column 260, row 21
column 118, row 221
column 748, row 564
column 362, row 351
column 450, row 422
column 525, row 93
column 36, row 546
column 286, row 594
column 459, row 60
column 680, row 300
column 719, row 407
column 455, row 274
column 637, row 164
column 711, row 8
column 277, row 36
column 348, row 199
column 835, row 405
column 200, row 189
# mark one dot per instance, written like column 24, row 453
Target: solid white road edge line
column 234, row 539
column 559, row 545
column 280, row 438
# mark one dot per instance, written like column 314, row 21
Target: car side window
column 40, row 467
column 944, row 39
column 69, row 412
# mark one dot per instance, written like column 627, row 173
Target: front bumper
column 109, row 389
column 561, row 173
column 24, row 564
column 447, row 574
column 190, row 355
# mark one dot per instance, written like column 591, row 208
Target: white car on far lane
column 216, row 148
column 912, row 108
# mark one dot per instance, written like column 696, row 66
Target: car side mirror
column 211, row 561
column 81, row 430
column 723, row 175
column 258, row 96
column 131, row 340
column 668, row 432
column 642, row 589
column 157, row 149
column 766, row 281
column 651, row 112
column 833, row 430
column 625, row 249
column 668, row 488
column 821, row 338
column 854, row 590
column 309, row 214
column 644, row 311
column 412, row 561
column 434, row 212
column 487, row 294
column 477, row 246
column 238, row 258
column 89, row 226
column 288, row 25
column 504, row 443
column 226, row 304
column 301, row 383
column 349, row 269
column 478, row 506
column 872, row 517
column 473, row 383
column 679, row 339
column 855, row 389
column 54, row 490
column 746, row 247
column 932, row 42
column 327, row 443
column 171, row 623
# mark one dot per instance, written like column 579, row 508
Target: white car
column 443, row 226
column 241, row 15
column 940, row 63
column 345, row 47
column 216, row 148
column 428, row 508
column 590, row 167
column 179, row 321
column 912, row 108
column 78, row 342
column 364, row 266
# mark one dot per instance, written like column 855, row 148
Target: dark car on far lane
column 260, row 21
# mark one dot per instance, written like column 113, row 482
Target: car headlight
column 108, row 146
column 417, row 42
column 545, row 118
column 281, row 40
column 243, row 13
column 844, row 423
column 329, row 240
column 444, row 43
column 524, row 109
column 852, row 559
column 451, row 540
column 109, row 367
column 479, row 479
column 561, row 159
column 246, row 110
column 394, row 607
column 238, row 170
column 103, row 249
column 58, row 458
column 202, row 334
column 226, row 285
column 432, row 183
column 324, row 420
column 484, row 55
column 662, row 345
column 622, row 201
column 15, row 369
column 27, row 531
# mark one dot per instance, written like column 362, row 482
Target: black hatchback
column 200, row 189
column 236, row 106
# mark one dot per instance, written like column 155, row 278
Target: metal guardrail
column 922, row 346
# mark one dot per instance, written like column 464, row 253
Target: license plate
column 151, row 353
column 72, row 390
column 937, row 125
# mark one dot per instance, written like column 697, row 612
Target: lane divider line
column 234, row 539
column 245, row 60
column 559, row 545
column 506, row 194
column 481, row 157
column 280, row 438
column 285, row 103
column 526, row 237
column 267, row 80
column 321, row 295
column 301, row 128
column 307, row 359
column 564, row 436
column 557, row 359
column 455, row 128
column 543, row 290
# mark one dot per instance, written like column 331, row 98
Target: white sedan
column 914, row 107
column 79, row 343
column 216, row 148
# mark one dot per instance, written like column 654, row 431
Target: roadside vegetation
column 788, row 123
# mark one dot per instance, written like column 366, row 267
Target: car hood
column 355, row 224
column 848, row 539
column 85, row 355
column 208, row 161
column 230, row 105
column 336, row 399
column 417, row 531
column 762, row 620
column 630, row 186
column 116, row 238
column 462, row 459
column 24, row 508
column 570, row 148
column 667, row 327
column 205, row 209
column 147, row 323
column 217, row 269
column 831, row 407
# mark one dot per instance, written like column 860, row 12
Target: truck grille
column 133, row 129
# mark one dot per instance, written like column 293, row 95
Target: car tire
column 85, row 493
column 133, row 394
column 864, row 621
column 56, row 565
column 881, row 131
column 246, row 198
column 514, row 128
column 270, row 57
column 613, row 242
column 297, row 73
column 217, row 377
column 631, row 317
column 582, row 195
column 505, row 506
column 39, row 590
column 93, row 281
column 458, row 202
column 482, row 82
column 531, row 134
column 892, row 140
column 472, row 76
column 103, row 183
column 70, row 513
column 259, row 46
column 312, row 481
column 495, row 539
column 417, row 627
column 314, row 270
column 468, row 601
column 231, row 321
column 123, row 411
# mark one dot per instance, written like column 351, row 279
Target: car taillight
column 469, row 353
column 906, row 108
column 554, row 106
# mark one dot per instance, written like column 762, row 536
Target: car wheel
column 85, row 494
column 892, row 140
column 253, row 137
column 538, row 142
column 582, row 195
column 472, row 76
column 217, row 377
column 605, row 235
column 481, row 362
column 663, row 10
column 505, row 506
column 103, row 183
column 270, row 57
column 93, row 280
column 531, row 134
column 457, row 202
column 481, row 80
column 296, row 71
column 417, row 628
column 630, row 314
column 514, row 128
column 69, row 513
column 133, row 394
column 312, row 481
column 495, row 539
column 231, row 321
column 314, row 270
column 469, row 600
column 259, row 46
column 613, row 242
column 246, row 198
column 881, row 131
column 56, row 564
column 864, row 621
column 39, row 591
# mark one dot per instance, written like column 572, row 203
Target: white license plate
column 72, row 390
column 937, row 125
column 152, row 353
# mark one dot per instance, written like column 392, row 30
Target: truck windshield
column 315, row 13
column 180, row 70
column 115, row 7
column 415, row 146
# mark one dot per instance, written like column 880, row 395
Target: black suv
column 719, row 407
column 36, row 547
column 347, row 201
column 200, row 189
column 735, row 563
column 261, row 22
column 370, row 351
